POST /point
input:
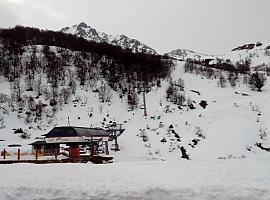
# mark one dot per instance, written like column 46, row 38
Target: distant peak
column 64, row 29
column 82, row 25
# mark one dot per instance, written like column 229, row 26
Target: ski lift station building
column 73, row 137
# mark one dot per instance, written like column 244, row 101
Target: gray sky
column 206, row 26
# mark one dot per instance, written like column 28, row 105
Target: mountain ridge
column 256, row 54
column 87, row 32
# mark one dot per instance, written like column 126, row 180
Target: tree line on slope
column 149, row 65
column 255, row 79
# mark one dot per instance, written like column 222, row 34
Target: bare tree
column 222, row 81
column 232, row 79
column 38, row 85
column 66, row 94
column 17, row 89
column 105, row 94
column 257, row 80
column 133, row 99
column 181, row 84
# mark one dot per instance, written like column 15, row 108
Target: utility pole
column 144, row 101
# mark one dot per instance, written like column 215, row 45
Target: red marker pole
column 145, row 113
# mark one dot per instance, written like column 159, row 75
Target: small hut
column 42, row 148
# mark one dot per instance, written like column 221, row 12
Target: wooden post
column 19, row 154
column 89, row 145
column 4, row 153
column 55, row 154
column 36, row 154
column 106, row 148
column 92, row 150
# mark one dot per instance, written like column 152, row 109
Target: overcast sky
column 206, row 26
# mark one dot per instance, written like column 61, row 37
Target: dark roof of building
column 42, row 142
column 14, row 145
column 71, row 131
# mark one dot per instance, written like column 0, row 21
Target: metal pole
column 145, row 112
column 144, row 100
column 116, row 143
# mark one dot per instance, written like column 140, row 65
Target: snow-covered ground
column 219, row 179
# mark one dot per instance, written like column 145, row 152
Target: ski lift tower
column 144, row 89
column 115, row 131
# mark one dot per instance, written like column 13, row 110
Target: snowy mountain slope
column 256, row 54
column 89, row 33
column 231, row 123
column 228, row 128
